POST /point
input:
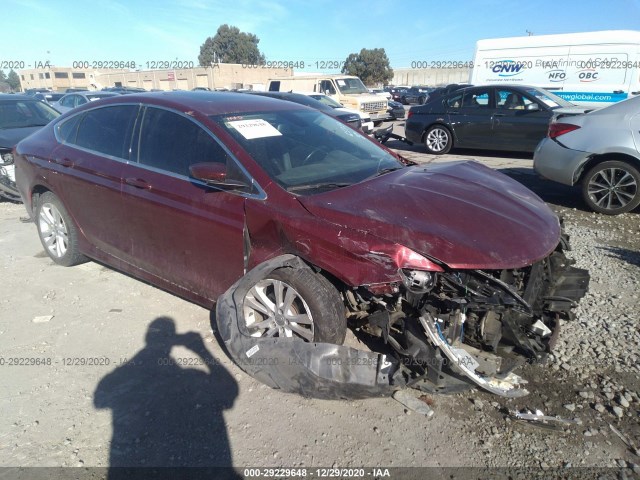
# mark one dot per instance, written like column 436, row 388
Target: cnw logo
column 508, row 68
column 588, row 75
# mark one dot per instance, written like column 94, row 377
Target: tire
column 403, row 100
column 437, row 140
column 612, row 187
column 57, row 231
column 311, row 298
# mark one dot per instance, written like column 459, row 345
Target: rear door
column 180, row 229
column 94, row 148
column 470, row 114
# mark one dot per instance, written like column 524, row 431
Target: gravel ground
column 59, row 414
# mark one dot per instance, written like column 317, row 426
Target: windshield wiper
column 311, row 186
column 383, row 171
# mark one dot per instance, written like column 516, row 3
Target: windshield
column 548, row 98
column 351, row 85
column 25, row 113
column 327, row 101
column 306, row 151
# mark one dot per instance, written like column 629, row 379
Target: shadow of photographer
column 165, row 415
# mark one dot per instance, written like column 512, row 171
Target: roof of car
column 208, row 103
column 16, row 97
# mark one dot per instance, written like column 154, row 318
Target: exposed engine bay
column 478, row 324
column 439, row 332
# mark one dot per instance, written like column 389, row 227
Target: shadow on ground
column 168, row 411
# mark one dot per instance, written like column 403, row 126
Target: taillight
column 409, row 114
column 557, row 129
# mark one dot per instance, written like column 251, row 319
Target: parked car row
column 597, row 149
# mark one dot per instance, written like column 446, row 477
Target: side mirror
column 532, row 107
column 214, row 174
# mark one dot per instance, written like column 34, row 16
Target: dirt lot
column 75, row 342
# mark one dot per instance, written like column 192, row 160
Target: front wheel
column 295, row 303
column 437, row 140
column 611, row 187
column 58, row 233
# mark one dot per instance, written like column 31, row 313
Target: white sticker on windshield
column 257, row 128
column 341, row 83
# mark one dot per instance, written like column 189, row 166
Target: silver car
column 73, row 100
column 599, row 150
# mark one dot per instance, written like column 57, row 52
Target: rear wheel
column 437, row 140
column 295, row 303
column 58, row 233
column 611, row 187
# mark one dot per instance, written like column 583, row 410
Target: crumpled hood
column 461, row 213
column 11, row 136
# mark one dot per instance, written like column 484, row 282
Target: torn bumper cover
column 318, row 370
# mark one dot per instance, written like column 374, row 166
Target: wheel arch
column 36, row 192
column 440, row 124
column 604, row 157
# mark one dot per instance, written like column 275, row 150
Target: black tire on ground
column 612, row 187
column 438, row 140
column 57, row 231
column 322, row 299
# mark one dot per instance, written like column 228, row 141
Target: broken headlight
column 417, row 281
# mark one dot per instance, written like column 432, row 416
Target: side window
column 274, row 86
column 107, row 130
column 454, row 101
column 67, row 101
column 476, row 99
column 171, row 142
column 326, row 86
column 510, row 100
column 80, row 100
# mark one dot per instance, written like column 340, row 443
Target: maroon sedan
column 298, row 227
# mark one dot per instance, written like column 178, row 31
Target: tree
column 14, row 81
column 371, row 65
column 4, row 85
column 230, row 45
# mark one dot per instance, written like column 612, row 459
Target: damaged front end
column 438, row 331
column 450, row 328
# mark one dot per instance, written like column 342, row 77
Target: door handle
column 137, row 182
column 635, row 93
column 498, row 114
column 618, row 91
column 65, row 162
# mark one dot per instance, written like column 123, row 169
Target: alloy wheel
column 612, row 188
column 53, row 230
column 273, row 308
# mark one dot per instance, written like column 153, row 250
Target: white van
column 345, row 89
column 593, row 68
